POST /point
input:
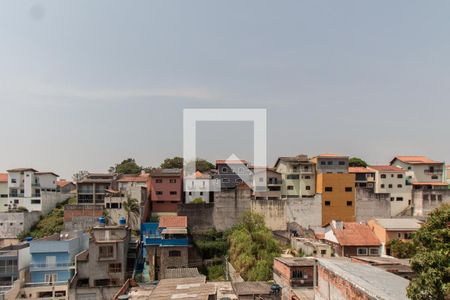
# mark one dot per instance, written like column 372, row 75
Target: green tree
column 198, row 200
column 201, row 165
column 357, row 162
column 431, row 262
column 127, row 166
column 252, row 248
column 401, row 249
column 79, row 175
column 131, row 207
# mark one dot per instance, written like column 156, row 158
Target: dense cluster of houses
column 106, row 247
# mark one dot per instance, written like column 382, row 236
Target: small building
column 66, row 187
column 232, row 173
column 352, row 239
column 399, row 267
column 364, row 177
column 253, row 290
column 166, row 245
column 273, row 184
column 166, row 191
column 195, row 288
column 329, row 163
column 103, row 267
column 92, row 188
column 292, row 273
column 391, row 229
column 298, row 176
column 343, row 279
column 14, row 259
column 420, row 169
column 311, row 247
column 200, row 186
column 4, row 185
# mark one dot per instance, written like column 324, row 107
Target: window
column 308, row 177
column 16, row 201
column 158, row 180
column 348, row 189
column 238, row 180
column 382, row 185
column 224, row 170
column 49, row 278
column 297, row 274
column 392, row 198
column 349, row 203
column 106, row 251
column 173, row 192
column 13, row 180
column 330, row 163
column 361, row 251
column 392, row 175
column 190, row 193
column 328, row 189
column 115, row 268
column 323, row 252
column 173, row 181
column 201, row 193
column 399, row 175
column 159, row 192
column 390, row 186
column 342, row 163
column 35, row 201
column 327, row 203
column 374, row 251
column 290, row 187
column 434, row 177
column 399, row 198
column 399, row 186
column 307, row 188
column 292, row 176
column 174, row 253
column 383, row 175
column 225, row 180
column 261, row 179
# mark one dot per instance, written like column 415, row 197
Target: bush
column 198, row 201
column 401, row 249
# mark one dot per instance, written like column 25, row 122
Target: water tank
column 102, row 221
column 122, row 221
column 28, row 239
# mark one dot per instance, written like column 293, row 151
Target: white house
column 33, row 190
column 3, row 185
column 200, row 186
column 392, row 180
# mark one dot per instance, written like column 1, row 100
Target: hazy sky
column 85, row 84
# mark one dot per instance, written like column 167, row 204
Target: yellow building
column 338, row 197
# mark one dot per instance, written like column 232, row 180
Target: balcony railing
column 154, row 241
column 433, row 172
column 36, row 267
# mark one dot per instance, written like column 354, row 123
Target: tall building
column 273, row 184
column 364, row 177
column 166, row 191
column 92, row 188
column 298, row 176
column 331, row 163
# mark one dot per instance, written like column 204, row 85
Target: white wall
column 396, row 192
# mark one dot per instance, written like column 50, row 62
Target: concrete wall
column 370, row 205
column 11, row 224
column 273, row 212
column 306, row 212
column 200, row 216
column 81, row 217
column 229, row 205
column 424, row 201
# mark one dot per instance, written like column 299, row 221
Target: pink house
column 166, row 191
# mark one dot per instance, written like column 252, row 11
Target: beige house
column 298, row 176
column 392, row 180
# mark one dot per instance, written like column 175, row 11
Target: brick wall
column 81, row 217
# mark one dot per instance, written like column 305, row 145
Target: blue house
column 52, row 258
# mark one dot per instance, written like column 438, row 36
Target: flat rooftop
column 371, row 280
column 400, row 223
column 296, row 261
column 194, row 288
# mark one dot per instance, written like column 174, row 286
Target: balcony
column 434, row 172
column 155, row 241
column 56, row 266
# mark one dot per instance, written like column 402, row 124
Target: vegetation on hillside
column 49, row 224
column 252, row 248
column 212, row 244
column 431, row 263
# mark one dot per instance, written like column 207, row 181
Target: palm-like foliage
column 131, row 207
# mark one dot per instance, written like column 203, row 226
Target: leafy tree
column 127, row 166
column 252, row 248
column 201, row 165
column 401, row 249
column 131, row 207
column 79, row 175
column 198, row 200
column 432, row 260
column 357, row 162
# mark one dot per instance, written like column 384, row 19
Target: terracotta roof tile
column 356, row 234
column 418, row 159
column 359, row 170
column 3, row 177
column 62, row 183
column 431, row 183
column 173, row 221
column 134, row 178
column 387, row 169
column 229, row 161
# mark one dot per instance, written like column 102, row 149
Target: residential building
column 13, row 223
column 66, row 187
column 392, row 180
column 338, row 196
column 92, row 188
column 298, row 176
column 364, row 177
column 422, row 172
column 399, row 267
column 14, row 259
column 311, row 247
column 103, row 267
column 352, row 239
column 250, row 290
column 200, row 186
column 273, row 183
column 344, row 279
column 4, row 192
column 166, row 191
column 390, row 229
column 292, row 273
column 232, row 173
column 53, row 264
column 127, row 181
column 32, row 190
column 331, row 163
column 166, row 245
column 448, row 175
